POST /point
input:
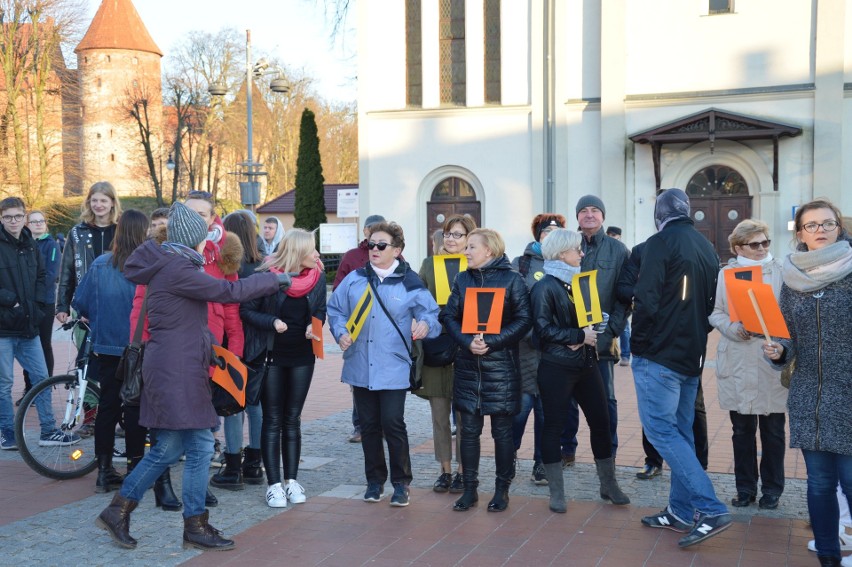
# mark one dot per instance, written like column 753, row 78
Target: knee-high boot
column 556, row 484
column 609, row 486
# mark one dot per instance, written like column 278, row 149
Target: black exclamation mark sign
column 452, row 265
column 586, row 292
column 484, row 302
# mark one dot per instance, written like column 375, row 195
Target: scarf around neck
column 816, row 269
column 560, row 270
column 302, row 284
column 744, row 262
column 383, row 273
column 185, row 251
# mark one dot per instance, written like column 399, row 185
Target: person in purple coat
column 177, row 395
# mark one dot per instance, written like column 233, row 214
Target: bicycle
column 78, row 407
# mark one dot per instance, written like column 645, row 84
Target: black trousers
column 558, row 384
column 45, row 336
column 282, row 399
column 383, row 411
column 504, row 444
column 699, row 432
column 110, row 410
column 773, row 444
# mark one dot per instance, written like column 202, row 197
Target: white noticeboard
column 347, row 203
column 338, row 238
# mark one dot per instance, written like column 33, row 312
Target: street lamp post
column 250, row 189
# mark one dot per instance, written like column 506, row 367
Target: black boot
column 210, row 500
column 198, row 533
column 164, row 494
column 826, row 561
column 252, row 467
column 116, row 520
column 470, row 497
column 231, row 476
column 131, row 464
column 108, row 478
column 500, row 501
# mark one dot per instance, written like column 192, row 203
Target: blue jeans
column 825, row 469
column 666, row 401
column 29, row 355
column 624, row 340
column 170, row 445
column 572, row 420
column 529, row 403
column 234, row 429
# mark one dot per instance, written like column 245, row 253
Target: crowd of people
column 260, row 293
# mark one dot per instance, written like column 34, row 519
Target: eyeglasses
column 37, row 222
column 827, row 226
column 756, row 245
column 455, row 235
column 13, row 218
column 380, row 245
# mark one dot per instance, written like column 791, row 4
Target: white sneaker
column 846, row 561
column 275, row 497
column 845, row 545
column 295, row 493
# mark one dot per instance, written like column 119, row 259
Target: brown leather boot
column 116, row 520
column 201, row 535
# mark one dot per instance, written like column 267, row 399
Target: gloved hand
column 284, row 280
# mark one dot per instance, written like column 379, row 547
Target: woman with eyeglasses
column 487, row 379
column 749, row 387
column 816, row 301
column 438, row 380
column 374, row 314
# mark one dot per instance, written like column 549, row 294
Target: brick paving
column 46, row 522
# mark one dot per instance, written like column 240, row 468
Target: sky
column 294, row 30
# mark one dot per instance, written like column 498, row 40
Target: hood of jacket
column 145, row 262
column 231, row 254
column 269, row 247
column 671, row 205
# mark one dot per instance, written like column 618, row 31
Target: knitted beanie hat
column 185, row 226
column 590, row 201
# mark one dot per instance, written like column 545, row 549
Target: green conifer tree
column 309, row 210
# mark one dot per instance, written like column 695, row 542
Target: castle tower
column 117, row 62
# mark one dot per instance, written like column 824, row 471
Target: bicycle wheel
column 61, row 462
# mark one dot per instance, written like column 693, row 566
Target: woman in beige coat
column 748, row 386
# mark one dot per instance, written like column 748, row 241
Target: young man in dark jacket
column 22, row 308
column 673, row 299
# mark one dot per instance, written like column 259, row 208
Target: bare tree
column 138, row 101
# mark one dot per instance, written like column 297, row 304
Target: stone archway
column 450, row 196
column 719, row 199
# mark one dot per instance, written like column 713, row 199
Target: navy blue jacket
column 52, row 257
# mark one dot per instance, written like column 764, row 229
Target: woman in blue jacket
column 105, row 298
column 376, row 362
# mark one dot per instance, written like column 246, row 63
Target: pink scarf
column 304, row 282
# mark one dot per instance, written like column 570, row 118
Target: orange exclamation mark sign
column 483, row 310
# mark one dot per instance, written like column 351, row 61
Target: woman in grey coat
column 816, row 301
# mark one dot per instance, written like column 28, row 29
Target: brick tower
column 117, row 61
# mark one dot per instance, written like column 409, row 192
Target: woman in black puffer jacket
column 487, row 378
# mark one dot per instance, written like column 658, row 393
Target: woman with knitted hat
column 177, row 393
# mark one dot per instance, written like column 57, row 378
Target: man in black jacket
column 22, row 282
column 672, row 302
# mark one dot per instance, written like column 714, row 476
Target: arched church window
column 717, row 181
column 453, row 189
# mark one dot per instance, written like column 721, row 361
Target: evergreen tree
column 309, row 211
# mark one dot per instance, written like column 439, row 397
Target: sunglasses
column 380, row 245
column 756, row 245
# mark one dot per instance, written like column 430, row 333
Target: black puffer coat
column 489, row 384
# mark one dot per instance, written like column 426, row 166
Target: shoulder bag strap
column 395, row 326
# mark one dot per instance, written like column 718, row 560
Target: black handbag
column 440, row 351
column 129, row 369
column 415, row 380
column 257, row 376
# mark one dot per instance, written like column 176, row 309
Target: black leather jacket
column 489, row 384
column 555, row 324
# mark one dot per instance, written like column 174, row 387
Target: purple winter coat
column 176, row 392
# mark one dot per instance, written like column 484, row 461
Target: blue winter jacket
column 105, row 298
column 378, row 359
column 52, row 256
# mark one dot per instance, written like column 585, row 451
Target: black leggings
column 282, row 399
column 110, row 410
column 557, row 384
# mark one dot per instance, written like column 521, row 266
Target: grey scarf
column 815, row 269
column 560, row 270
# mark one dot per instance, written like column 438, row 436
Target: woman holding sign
column 439, row 272
column 284, row 321
column 816, row 301
column 569, row 367
column 749, row 388
column 487, row 314
column 374, row 314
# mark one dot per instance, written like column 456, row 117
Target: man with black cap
column 353, row 259
column 674, row 296
column 607, row 256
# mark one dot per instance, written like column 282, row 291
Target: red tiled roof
column 117, row 25
column 286, row 203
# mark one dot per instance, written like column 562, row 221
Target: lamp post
column 250, row 189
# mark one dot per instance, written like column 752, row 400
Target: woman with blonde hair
column 278, row 329
column 87, row 240
column 749, row 388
